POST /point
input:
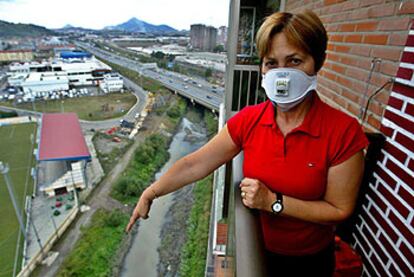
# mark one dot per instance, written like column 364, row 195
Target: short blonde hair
column 303, row 30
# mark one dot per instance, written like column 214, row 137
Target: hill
column 8, row 29
column 136, row 25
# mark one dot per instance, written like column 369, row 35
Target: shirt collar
column 310, row 125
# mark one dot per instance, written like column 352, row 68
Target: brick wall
column 360, row 31
column 385, row 232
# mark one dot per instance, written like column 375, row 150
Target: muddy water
column 142, row 258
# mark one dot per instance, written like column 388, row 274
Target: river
column 142, row 258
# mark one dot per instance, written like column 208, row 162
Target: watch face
column 277, row 207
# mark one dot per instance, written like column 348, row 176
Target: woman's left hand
column 256, row 195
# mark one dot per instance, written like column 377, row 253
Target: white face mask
column 287, row 87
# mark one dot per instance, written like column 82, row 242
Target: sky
column 95, row 14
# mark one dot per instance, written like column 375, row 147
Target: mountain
column 8, row 29
column 136, row 25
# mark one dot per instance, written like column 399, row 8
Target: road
column 197, row 90
column 137, row 108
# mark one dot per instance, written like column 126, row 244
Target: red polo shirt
column 296, row 165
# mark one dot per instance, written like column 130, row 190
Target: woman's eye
column 295, row 61
column 270, row 64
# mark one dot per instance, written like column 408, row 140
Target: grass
column 16, row 151
column 94, row 252
column 88, row 107
column 194, row 252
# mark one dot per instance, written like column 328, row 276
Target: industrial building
column 71, row 70
column 112, row 82
column 16, row 55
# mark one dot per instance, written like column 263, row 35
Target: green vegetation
column 94, row 252
column 211, row 123
column 15, row 150
column 148, row 158
column 8, row 29
column 194, row 252
column 92, row 108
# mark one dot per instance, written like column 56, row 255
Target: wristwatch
column 277, row 206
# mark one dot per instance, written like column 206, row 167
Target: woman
column 303, row 160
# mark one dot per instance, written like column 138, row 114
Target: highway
column 196, row 90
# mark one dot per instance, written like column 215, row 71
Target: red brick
column 395, row 152
column 410, row 41
column 358, row 74
column 404, row 211
column 376, row 108
column 378, row 201
column 379, row 80
column 359, row 14
column 403, row 89
column 374, row 244
column 387, row 131
column 394, row 24
column 393, row 271
column 342, row 80
column 352, row 109
column 362, row 246
column 342, row 48
column 395, row 103
column 376, row 39
column 348, row 27
column 330, row 76
column 387, row 53
column 374, row 122
column 407, row 57
column 407, row 196
column 381, row 10
column 361, row 50
column 405, row 177
column 408, row 254
column 409, row 109
column 406, row 8
column 350, row 95
column 369, row 222
column 411, row 165
column 336, row 38
column 401, row 227
column 331, row 47
column 405, row 73
column 349, row 60
column 366, row 3
column 398, row 39
column 384, row 225
column 366, row 26
column 400, row 121
column 389, row 68
column 353, row 38
column 338, row 68
column 405, row 141
column 377, row 264
column 366, row 63
column 333, row 57
column 393, row 253
column 350, row 5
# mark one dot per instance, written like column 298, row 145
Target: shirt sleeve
column 352, row 140
column 236, row 126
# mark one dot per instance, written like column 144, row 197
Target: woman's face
column 284, row 54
